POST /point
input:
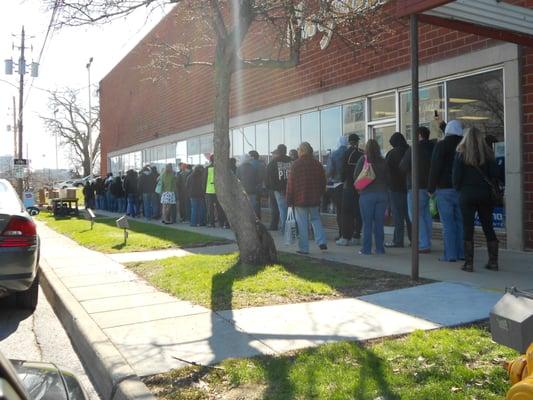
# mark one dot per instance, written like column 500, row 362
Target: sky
column 63, row 64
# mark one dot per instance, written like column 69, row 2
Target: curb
column 112, row 376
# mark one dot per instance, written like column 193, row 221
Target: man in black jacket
column 398, row 190
column 351, row 221
column 276, row 180
column 147, row 191
column 425, row 222
column 440, row 183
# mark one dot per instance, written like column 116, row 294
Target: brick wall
column 527, row 104
column 134, row 109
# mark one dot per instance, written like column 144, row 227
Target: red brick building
column 481, row 81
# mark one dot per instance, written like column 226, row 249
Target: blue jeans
column 452, row 224
column 302, row 214
column 121, row 204
column 399, row 215
column 148, row 209
column 110, row 201
column 100, row 202
column 156, row 205
column 425, row 223
column 282, row 207
column 254, row 202
column 373, row 206
column 132, row 205
column 197, row 211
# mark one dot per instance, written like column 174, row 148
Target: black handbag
column 497, row 193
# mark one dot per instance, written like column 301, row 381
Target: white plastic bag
column 291, row 230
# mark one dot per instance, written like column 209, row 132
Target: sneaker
column 303, row 253
column 323, row 247
column 342, row 242
column 393, row 245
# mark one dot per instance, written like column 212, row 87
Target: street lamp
column 88, row 66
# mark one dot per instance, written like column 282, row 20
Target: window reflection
column 311, row 130
column 431, row 110
column 261, row 136
column 354, row 120
column 275, row 131
column 331, row 130
column 383, row 107
column 292, row 132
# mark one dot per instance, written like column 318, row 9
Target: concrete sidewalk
column 516, row 268
column 127, row 327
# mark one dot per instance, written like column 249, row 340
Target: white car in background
column 74, row 182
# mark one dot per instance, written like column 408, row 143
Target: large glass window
column 383, row 107
column 170, row 151
column 431, row 110
column 477, row 100
column 206, row 147
column 292, row 132
column 193, row 151
column 261, row 136
column 275, row 129
column 181, row 151
column 382, row 134
column 354, row 120
column 331, row 130
column 249, row 138
column 238, row 142
column 311, row 130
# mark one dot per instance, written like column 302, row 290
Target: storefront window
column 238, row 142
column 383, row 107
column 311, row 130
column 331, row 130
column 206, row 148
column 354, row 120
column 382, row 135
column 249, row 138
column 261, row 137
column 181, row 151
column 292, row 132
column 275, row 131
column 193, row 151
column 431, row 110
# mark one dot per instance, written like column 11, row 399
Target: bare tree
column 231, row 36
column 69, row 120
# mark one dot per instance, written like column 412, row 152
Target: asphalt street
column 39, row 337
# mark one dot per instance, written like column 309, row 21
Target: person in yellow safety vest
column 213, row 206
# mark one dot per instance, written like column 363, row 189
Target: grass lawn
column 461, row 363
column 221, row 283
column 107, row 238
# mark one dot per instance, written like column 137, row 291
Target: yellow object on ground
column 521, row 374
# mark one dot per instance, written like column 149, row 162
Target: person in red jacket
column 305, row 187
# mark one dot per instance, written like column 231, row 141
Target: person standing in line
column 272, row 202
column 440, row 184
column 334, row 172
column 351, row 222
column 213, row 206
column 276, row 180
column 168, row 195
column 293, row 154
column 260, row 169
column 425, row 222
column 373, row 198
column 117, row 192
column 146, row 190
column 398, row 190
column 249, row 177
column 305, row 187
column 109, row 202
column 196, row 193
column 474, row 175
column 100, row 193
column 184, row 203
column 156, row 197
column 88, row 194
column 130, row 190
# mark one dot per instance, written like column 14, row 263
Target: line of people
column 459, row 172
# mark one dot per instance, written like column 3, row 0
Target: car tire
column 29, row 298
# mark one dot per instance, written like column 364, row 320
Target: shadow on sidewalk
column 280, row 371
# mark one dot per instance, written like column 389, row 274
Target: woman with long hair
column 373, row 198
column 168, row 193
column 474, row 177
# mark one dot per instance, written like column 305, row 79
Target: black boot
column 468, row 266
column 492, row 247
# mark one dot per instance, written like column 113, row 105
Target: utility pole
column 14, row 129
column 22, row 71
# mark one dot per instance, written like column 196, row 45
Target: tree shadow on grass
column 279, row 370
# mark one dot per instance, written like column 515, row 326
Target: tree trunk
column 256, row 246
